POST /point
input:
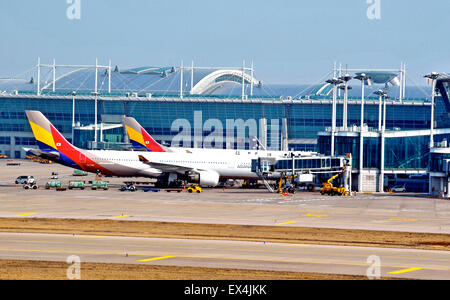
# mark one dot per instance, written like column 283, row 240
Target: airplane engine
column 205, row 178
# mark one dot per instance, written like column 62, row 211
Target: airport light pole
column 95, row 94
column 380, row 94
column 382, row 97
column 346, row 78
column 181, row 80
column 363, row 77
column 383, row 140
column 335, row 82
column 345, row 88
column 74, row 93
column 433, row 77
column 385, row 97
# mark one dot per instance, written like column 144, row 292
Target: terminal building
column 382, row 153
column 187, row 105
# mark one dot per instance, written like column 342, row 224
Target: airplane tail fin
column 140, row 138
column 54, row 146
column 48, row 137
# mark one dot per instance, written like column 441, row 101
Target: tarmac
column 391, row 212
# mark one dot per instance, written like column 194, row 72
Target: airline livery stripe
column 135, row 136
column 43, row 135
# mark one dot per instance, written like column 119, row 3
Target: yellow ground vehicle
column 3, row 155
column 287, row 188
column 329, row 189
column 194, row 189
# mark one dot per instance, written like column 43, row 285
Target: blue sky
column 291, row 41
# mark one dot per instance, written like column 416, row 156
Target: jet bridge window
column 325, row 163
column 336, row 163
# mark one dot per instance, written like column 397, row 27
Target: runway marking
column 400, row 219
column 405, row 270
column 285, row 223
column 156, row 258
column 122, row 216
column 218, row 258
column 314, row 216
column 27, row 214
column 305, row 262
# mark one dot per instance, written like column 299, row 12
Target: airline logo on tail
column 139, row 137
column 52, row 142
column 48, row 137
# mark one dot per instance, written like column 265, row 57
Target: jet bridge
column 305, row 169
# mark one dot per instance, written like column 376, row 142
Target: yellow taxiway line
column 315, row 216
column 122, row 216
column 27, row 214
column 156, row 258
column 405, row 270
column 286, row 223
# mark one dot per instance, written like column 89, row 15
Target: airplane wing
column 166, row 167
column 43, row 154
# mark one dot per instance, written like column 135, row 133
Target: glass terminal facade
column 304, row 118
column 412, row 152
column 149, row 94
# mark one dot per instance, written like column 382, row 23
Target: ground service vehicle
column 194, row 189
column 151, row 190
column 398, row 189
column 29, row 186
column 25, row 179
column 99, row 185
column 53, row 184
column 76, row 185
column 329, row 189
column 287, row 187
column 131, row 188
column 77, row 172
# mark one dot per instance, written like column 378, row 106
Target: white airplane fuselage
column 229, row 164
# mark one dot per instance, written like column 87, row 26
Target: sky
column 289, row 41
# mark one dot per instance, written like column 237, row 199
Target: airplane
column 205, row 167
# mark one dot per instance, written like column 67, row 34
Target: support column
column 263, row 132
column 181, row 80
column 192, row 77
column 346, row 78
column 448, row 188
column 381, row 178
column 251, row 80
column 379, row 113
column 284, row 135
column 361, row 161
column 39, row 77
column 433, row 93
column 243, row 80
column 333, row 120
column 109, row 77
column 335, row 83
column 363, row 79
column 54, row 76
column 12, row 147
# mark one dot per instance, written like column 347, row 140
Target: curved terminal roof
column 158, row 80
column 166, row 81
